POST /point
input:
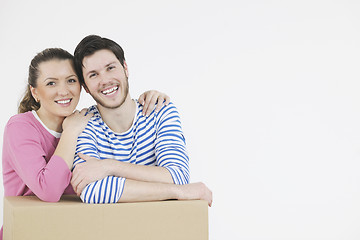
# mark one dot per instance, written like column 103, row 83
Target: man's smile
column 110, row 91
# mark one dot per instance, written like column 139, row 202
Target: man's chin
column 110, row 106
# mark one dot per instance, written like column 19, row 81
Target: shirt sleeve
column 170, row 148
column 47, row 180
column 106, row 190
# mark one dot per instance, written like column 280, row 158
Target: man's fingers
column 74, row 183
column 80, row 187
column 85, row 157
column 82, row 156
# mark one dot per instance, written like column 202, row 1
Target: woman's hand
column 149, row 98
column 77, row 121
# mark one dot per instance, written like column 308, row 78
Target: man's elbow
column 181, row 177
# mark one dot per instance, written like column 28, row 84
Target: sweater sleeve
column 170, row 148
column 47, row 180
column 106, row 190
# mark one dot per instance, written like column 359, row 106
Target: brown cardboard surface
column 28, row 218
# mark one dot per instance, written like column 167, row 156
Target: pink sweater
column 28, row 164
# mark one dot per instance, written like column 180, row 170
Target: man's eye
column 111, row 67
column 50, row 84
column 92, row 75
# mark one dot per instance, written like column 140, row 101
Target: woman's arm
column 73, row 125
column 23, row 152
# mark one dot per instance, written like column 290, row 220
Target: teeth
column 110, row 90
column 64, row 101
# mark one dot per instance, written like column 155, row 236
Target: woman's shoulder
column 25, row 126
column 22, row 122
column 26, row 117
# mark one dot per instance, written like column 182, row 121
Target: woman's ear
column 34, row 93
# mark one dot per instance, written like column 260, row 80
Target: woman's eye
column 72, row 80
column 111, row 67
column 50, row 84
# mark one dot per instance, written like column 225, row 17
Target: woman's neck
column 52, row 122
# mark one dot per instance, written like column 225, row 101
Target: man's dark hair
column 88, row 46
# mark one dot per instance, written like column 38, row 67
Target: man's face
column 106, row 79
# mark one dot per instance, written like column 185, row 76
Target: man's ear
column 126, row 69
column 85, row 87
column 34, row 93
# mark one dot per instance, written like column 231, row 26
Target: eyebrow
column 73, row 75
column 92, row 71
column 52, row 78
column 110, row 63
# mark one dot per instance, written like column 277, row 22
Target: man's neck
column 119, row 119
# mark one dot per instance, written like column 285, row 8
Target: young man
column 129, row 157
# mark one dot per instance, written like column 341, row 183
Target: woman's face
column 58, row 88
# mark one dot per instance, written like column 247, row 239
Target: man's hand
column 90, row 171
column 195, row 191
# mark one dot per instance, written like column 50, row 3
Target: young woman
column 39, row 142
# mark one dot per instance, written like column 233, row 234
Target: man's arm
column 113, row 189
column 86, row 144
column 89, row 170
column 170, row 147
column 172, row 162
column 135, row 191
column 146, row 182
column 98, row 186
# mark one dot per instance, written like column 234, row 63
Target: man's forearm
column 138, row 172
column 92, row 170
column 135, row 191
column 113, row 189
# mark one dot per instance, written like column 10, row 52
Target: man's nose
column 104, row 79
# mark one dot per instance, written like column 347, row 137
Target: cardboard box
column 27, row 218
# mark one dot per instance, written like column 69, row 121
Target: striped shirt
column 155, row 140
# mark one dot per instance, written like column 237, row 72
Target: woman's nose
column 63, row 91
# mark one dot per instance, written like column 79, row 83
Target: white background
column 268, row 92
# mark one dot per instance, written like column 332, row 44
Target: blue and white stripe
column 154, row 140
